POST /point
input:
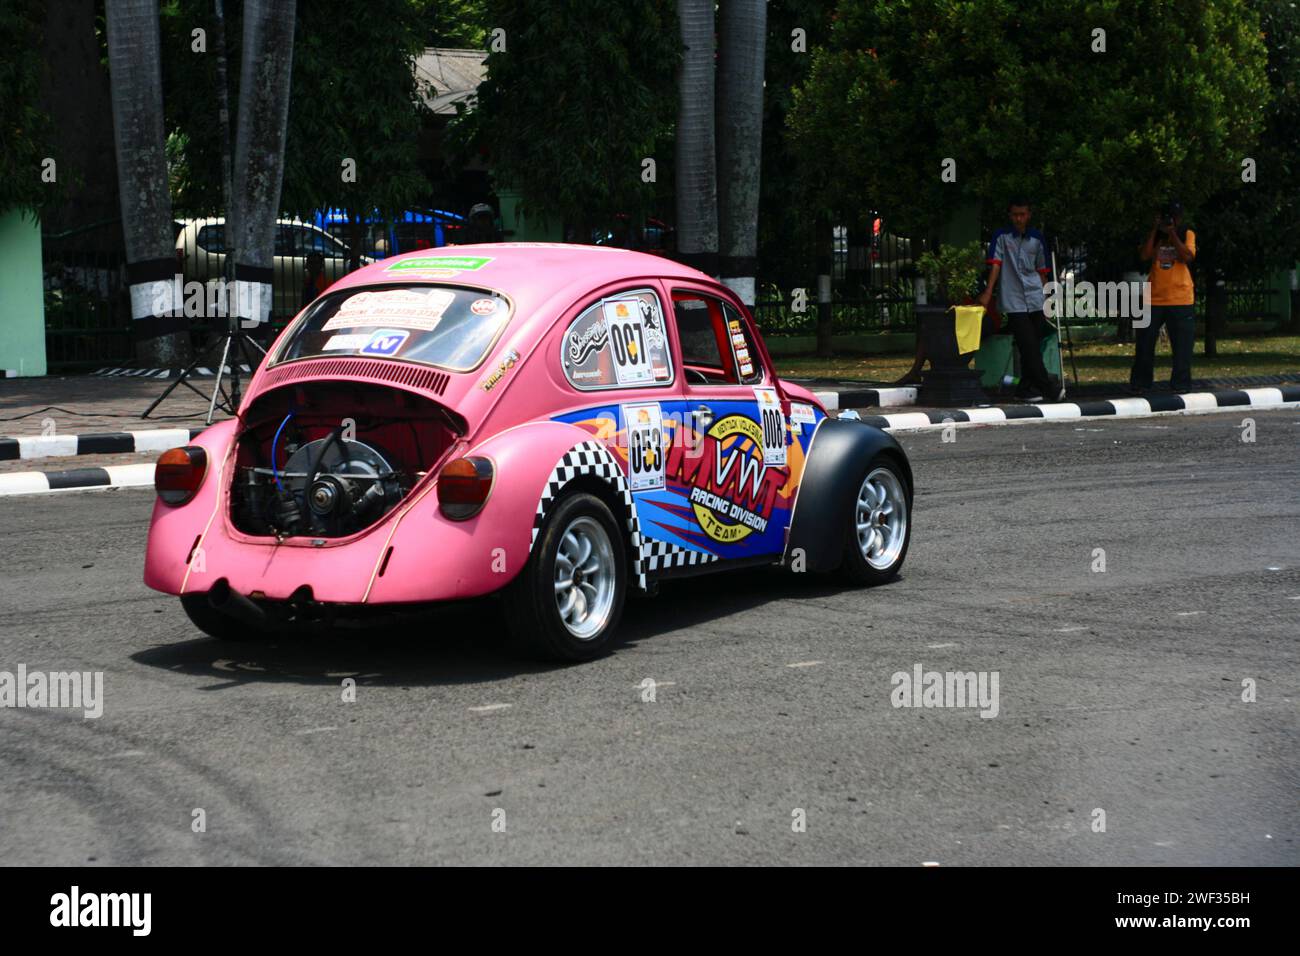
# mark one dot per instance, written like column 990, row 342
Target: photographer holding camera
column 1171, row 248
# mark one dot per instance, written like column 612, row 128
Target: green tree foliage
column 786, row 220
column 353, row 96
column 457, row 24
column 582, row 93
column 953, row 271
column 1248, row 227
column 23, row 125
column 1015, row 94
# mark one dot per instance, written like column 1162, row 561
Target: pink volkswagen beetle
column 553, row 423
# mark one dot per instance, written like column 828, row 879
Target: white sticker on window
column 627, row 340
column 394, row 308
column 351, row 342
column 645, row 446
column 772, row 420
column 801, row 414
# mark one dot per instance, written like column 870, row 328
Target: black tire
column 216, row 624
column 532, row 603
column 855, row 568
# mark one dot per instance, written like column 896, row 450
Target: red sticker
column 483, row 306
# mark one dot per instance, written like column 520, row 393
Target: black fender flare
column 837, row 459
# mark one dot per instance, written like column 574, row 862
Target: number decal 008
column 772, row 420
column 772, row 427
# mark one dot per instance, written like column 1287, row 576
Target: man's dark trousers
column 1028, row 329
column 1181, row 321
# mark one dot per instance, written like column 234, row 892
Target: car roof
column 530, row 273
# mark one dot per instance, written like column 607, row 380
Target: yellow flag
column 969, row 318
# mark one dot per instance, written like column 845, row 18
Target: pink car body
column 711, row 488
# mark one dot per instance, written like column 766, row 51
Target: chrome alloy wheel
column 585, row 573
column 881, row 517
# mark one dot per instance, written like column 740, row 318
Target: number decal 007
column 625, row 325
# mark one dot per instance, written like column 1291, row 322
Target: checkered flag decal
column 658, row 555
column 593, row 458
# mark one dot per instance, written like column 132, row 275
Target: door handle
column 702, row 418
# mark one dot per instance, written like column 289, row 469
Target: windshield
column 439, row 325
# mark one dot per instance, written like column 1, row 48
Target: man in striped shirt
column 1018, row 256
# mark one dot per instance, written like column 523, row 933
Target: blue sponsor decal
column 385, row 342
column 722, row 498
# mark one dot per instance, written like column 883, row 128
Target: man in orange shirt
column 1171, row 248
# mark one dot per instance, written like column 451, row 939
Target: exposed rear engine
column 329, row 459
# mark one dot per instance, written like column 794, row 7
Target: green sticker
column 424, row 263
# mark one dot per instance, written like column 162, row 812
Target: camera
column 1168, row 212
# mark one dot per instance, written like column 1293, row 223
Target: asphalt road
column 1118, row 690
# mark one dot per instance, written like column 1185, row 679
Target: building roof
column 449, row 76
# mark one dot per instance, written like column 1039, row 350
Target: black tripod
column 235, row 342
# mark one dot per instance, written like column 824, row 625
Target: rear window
column 453, row 328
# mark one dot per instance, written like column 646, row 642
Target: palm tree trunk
column 259, row 151
column 742, row 40
column 159, row 330
column 697, row 180
column 223, row 104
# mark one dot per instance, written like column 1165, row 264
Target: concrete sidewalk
column 79, row 404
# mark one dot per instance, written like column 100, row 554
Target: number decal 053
column 643, row 425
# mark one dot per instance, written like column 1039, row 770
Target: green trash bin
column 997, row 358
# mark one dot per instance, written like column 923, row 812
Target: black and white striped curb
column 201, row 371
column 104, row 443
column 867, row 398
column 1285, row 396
column 113, row 476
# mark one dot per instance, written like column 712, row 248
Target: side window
column 323, row 243
column 212, row 239
column 293, row 241
column 748, row 366
column 618, row 342
column 717, row 348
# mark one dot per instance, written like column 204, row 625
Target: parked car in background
column 652, row 237
column 556, row 424
column 201, row 254
column 411, row 231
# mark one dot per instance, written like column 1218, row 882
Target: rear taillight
column 463, row 487
column 179, row 473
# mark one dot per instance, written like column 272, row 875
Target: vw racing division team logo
column 732, row 489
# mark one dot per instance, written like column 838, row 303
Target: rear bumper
column 414, row 555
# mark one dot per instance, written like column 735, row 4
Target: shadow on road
column 460, row 644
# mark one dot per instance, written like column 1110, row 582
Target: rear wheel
column 567, row 601
column 880, row 526
column 216, row 624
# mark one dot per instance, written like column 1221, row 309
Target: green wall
column 22, row 300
